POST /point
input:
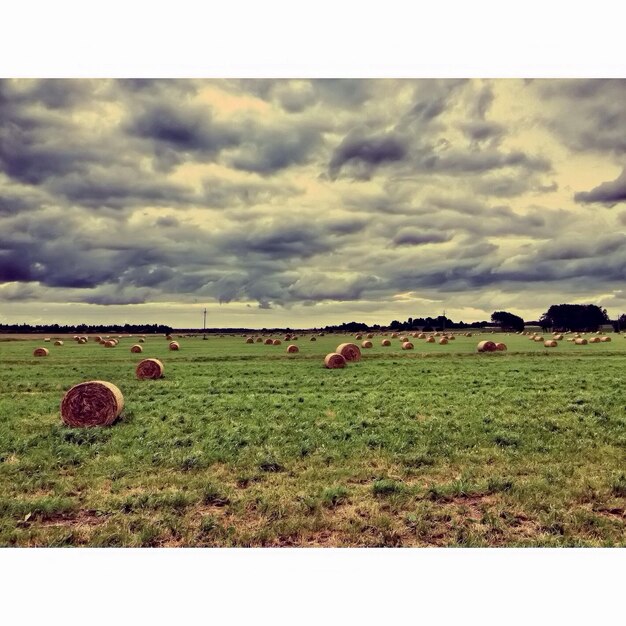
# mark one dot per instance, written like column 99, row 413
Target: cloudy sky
column 309, row 202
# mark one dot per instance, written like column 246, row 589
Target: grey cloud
column 608, row 193
column 414, row 237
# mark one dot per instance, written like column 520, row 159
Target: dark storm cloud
column 590, row 114
column 609, row 193
column 416, row 237
column 459, row 162
column 480, row 130
column 367, row 151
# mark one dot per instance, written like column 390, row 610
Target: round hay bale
column 468, row 334
column 394, row 335
column 385, row 342
column 366, row 344
column 259, row 339
column 149, row 369
column 430, row 340
column 550, row 343
column 501, row 347
column 443, row 341
column 268, row 342
column 403, row 339
column 58, row 342
column 287, row 338
column 407, row 345
column 579, row 341
column 169, row 337
column 41, row 352
column 249, row 340
column 594, row 340
column 294, row 338
column 451, row 338
column 136, row 349
column 276, row 342
column 97, row 339
column 47, row 339
column 538, row 338
column 486, row 346
column 94, row 403
column 334, row 361
column 370, row 335
column 437, row 335
column 142, row 340
column 605, row 339
column 313, row 339
column 358, row 337
column 174, row 345
column 109, row 344
column 82, row 340
column 421, row 335
column 558, row 337
column 349, row 351
column 292, row 349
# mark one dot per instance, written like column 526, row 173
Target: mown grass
column 244, row 445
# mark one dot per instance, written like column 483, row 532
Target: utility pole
column 444, row 320
column 204, row 324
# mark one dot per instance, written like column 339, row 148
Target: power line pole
column 204, row 324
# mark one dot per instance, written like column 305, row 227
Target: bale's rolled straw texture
column 605, row 339
column 94, row 403
column 174, row 345
column 58, row 342
column 594, row 340
column 551, row 343
column 370, row 335
column 259, row 339
column 486, row 346
column 407, row 345
column 443, row 341
column 136, row 349
column 41, row 352
column 579, row 341
column 558, row 337
column 394, row 335
column 501, row 347
column 421, row 335
column 249, row 340
column 276, row 342
column 97, row 339
column 82, row 340
column 334, row 361
column 292, row 349
column 430, row 340
column 385, row 342
column 109, row 344
column 268, row 342
column 358, row 337
column 349, row 351
column 366, row 344
column 149, row 369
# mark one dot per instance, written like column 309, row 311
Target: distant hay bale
column 292, row 349
column 501, row 347
column 558, row 337
column 169, row 337
column 149, row 369
column 276, row 342
column 407, row 345
column 41, row 352
column 538, row 338
column 109, row 344
column 313, row 339
column 142, row 340
column 136, row 349
column 421, row 335
column 349, row 351
column 443, row 341
column 358, row 337
column 268, row 342
column 294, row 338
column 594, row 340
column 287, row 338
column 468, row 334
column 58, row 342
column 394, row 335
column 334, row 361
column 385, row 342
column 430, row 340
column 94, row 403
column 259, row 339
column 486, row 346
column 605, row 339
column 403, row 339
column 47, row 339
column 370, row 335
column 249, row 340
column 550, row 343
column 174, row 345
column 451, row 338
column 437, row 334
column 82, row 340
column 366, row 344
column 97, row 339
column 579, row 341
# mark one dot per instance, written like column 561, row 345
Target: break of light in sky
column 309, row 202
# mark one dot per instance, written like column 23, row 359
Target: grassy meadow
column 244, row 445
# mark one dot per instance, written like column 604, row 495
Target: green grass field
column 244, row 445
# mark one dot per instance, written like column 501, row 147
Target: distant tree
column 588, row 317
column 507, row 321
column 620, row 323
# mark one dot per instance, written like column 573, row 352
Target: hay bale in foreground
column 174, row 345
column 486, row 346
column 407, row 345
column 149, row 369
column 41, row 352
column 385, row 342
column 443, row 341
column 501, row 347
column 93, row 403
column 550, row 343
column 136, row 349
column 605, row 339
column 334, row 361
column 349, row 351
column 292, row 349
column 366, row 344
column 594, row 340
column 579, row 341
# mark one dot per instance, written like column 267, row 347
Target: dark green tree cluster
column 578, row 317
